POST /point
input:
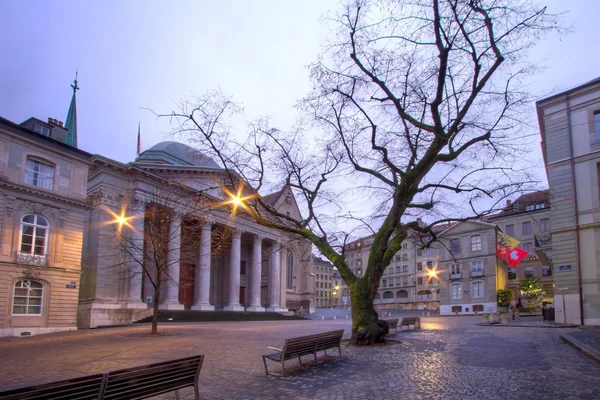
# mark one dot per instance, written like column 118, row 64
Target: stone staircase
column 214, row 316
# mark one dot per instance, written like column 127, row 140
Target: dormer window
column 42, row 130
column 38, row 173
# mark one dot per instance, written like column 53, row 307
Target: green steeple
column 71, row 124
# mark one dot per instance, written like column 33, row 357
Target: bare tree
column 416, row 110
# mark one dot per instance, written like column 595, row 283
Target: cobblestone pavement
column 451, row 358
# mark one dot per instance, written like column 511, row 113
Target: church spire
column 71, row 123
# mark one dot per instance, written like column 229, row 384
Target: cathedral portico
column 189, row 249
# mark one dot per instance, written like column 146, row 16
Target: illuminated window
column 456, row 291
column 39, row 174
column 27, row 298
column 476, row 243
column 476, row 268
column 34, row 235
column 42, row 130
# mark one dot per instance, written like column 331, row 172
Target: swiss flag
column 515, row 256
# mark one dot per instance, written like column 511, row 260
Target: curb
column 583, row 348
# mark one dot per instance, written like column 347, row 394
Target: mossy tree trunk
column 366, row 326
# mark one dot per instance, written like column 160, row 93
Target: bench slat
column 81, row 388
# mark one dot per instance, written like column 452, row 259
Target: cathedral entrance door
column 242, row 296
column 186, row 285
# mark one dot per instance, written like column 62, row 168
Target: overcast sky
column 133, row 55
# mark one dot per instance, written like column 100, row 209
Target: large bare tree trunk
column 366, row 325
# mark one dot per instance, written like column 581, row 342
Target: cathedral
column 87, row 241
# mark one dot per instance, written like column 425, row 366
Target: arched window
column 290, row 271
column 401, row 294
column 424, row 295
column 27, row 298
column 34, row 235
column 377, row 296
column 388, row 295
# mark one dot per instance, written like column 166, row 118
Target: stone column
column 202, row 284
column 173, row 267
column 255, row 275
column 135, row 269
column 275, row 278
column 234, row 272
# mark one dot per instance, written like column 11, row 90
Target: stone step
column 213, row 316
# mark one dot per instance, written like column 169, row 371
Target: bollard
column 346, row 316
column 323, row 317
column 334, row 317
column 404, row 328
column 428, row 313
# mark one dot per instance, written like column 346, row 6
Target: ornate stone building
column 214, row 257
column 42, row 212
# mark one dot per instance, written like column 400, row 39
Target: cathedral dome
column 175, row 153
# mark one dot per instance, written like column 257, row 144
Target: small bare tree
column 418, row 105
column 159, row 240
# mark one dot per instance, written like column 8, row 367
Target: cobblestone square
column 450, row 358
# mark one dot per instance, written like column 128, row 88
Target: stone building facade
column 470, row 273
column 216, row 258
column 324, row 284
column 527, row 219
column 570, row 130
column 42, row 214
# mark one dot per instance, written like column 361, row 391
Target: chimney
column 55, row 122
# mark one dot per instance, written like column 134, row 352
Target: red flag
column 502, row 251
column 515, row 256
column 139, row 143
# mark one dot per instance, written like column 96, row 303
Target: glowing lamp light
column 432, row 273
column 120, row 219
column 236, row 199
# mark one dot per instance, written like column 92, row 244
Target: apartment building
column 570, row 130
column 469, row 272
column 528, row 220
column 324, row 284
column 397, row 285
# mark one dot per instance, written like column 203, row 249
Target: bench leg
column 265, row 362
column 315, row 354
column 283, row 367
column 340, row 350
column 196, row 391
column 176, row 394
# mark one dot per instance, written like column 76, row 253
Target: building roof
column 175, row 153
column 568, row 91
column 520, row 204
column 271, row 199
column 16, row 128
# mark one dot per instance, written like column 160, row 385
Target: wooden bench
column 303, row 346
column 407, row 321
column 130, row 383
column 393, row 323
column 330, row 340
